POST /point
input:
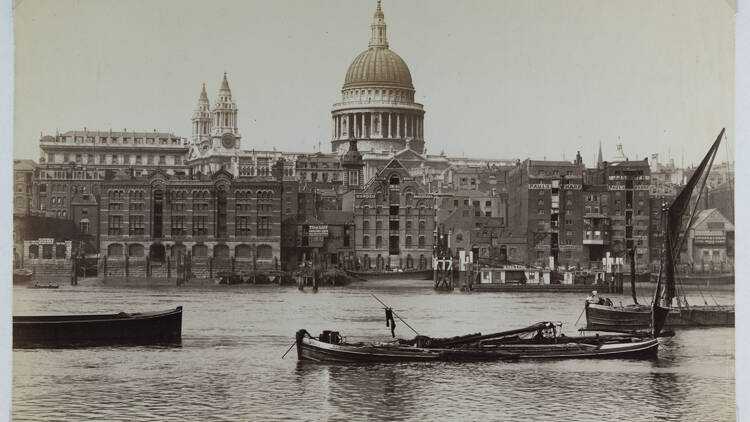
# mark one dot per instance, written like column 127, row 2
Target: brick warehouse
column 223, row 223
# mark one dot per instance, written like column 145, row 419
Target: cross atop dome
column 378, row 27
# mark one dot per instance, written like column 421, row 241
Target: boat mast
column 675, row 212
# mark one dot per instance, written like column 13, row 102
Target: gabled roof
column 24, row 165
column 409, row 154
column 222, row 173
column 704, row 215
column 394, row 163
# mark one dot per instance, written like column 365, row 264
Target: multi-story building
column 710, row 242
column 217, row 216
column 78, row 161
column 623, row 189
column 394, row 220
column 23, row 177
column 545, row 206
column 319, row 167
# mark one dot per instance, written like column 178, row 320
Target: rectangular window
column 115, row 225
column 136, row 225
column 242, row 226
column 178, row 225
column 162, row 159
column 199, row 225
column 264, row 226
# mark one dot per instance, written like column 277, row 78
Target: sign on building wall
column 540, row 186
column 573, row 186
column 616, row 187
column 318, row 230
column 570, row 247
column 364, row 196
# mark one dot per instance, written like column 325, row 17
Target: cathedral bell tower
column 224, row 133
column 202, row 122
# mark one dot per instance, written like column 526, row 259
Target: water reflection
column 229, row 368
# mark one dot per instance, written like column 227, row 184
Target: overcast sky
column 502, row 79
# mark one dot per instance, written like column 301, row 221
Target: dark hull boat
column 329, row 347
column 392, row 275
column 544, row 340
column 635, row 317
column 91, row 330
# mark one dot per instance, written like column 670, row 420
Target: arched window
column 242, row 251
column 366, row 225
column 379, row 242
column 366, row 241
column 114, row 249
column 422, row 225
column 135, row 249
column 421, row 241
column 393, row 180
column 265, row 252
column 378, row 225
column 408, row 242
column 33, row 251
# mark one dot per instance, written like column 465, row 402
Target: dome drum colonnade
column 378, row 107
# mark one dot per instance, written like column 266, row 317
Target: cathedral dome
column 378, row 66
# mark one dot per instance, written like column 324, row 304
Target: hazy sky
column 506, row 79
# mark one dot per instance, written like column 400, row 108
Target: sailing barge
column 93, row 330
column 638, row 316
column 330, row 347
column 539, row 341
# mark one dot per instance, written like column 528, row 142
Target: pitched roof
column 22, row 165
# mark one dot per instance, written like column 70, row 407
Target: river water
column 229, row 364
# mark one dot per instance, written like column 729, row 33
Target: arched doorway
column 156, row 252
column 200, row 251
column 221, row 251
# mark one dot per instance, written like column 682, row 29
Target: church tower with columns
column 202, row 121
column 377, row 100
column 224, row 133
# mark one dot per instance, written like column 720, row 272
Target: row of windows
column 379, row 242
column 379, row 225
column 117, row 140
column 117, row 159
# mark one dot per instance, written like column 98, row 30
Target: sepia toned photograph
column 373, row 210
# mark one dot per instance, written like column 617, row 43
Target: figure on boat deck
column 595, row 299
column 389, row 322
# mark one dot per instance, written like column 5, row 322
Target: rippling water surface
column 229, row 365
